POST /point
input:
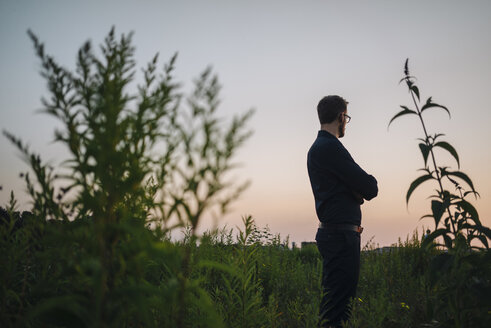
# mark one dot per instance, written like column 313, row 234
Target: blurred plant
column 136, row 161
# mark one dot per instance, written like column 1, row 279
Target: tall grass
column 238, row 278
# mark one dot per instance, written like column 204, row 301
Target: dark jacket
column 338, row 183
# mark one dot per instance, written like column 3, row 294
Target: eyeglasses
column 348, row 118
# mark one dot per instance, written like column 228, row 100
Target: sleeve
column 342, row 165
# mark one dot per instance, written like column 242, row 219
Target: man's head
column 332, row 111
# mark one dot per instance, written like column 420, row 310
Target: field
column 246, row 278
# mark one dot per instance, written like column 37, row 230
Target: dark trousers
column 340, row 251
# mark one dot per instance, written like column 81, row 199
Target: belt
column 339, row 227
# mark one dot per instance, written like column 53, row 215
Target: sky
column 281, row 58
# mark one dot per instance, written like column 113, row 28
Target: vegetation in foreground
column 94, row 251
column 242, row 278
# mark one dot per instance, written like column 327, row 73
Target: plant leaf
column 448, row 147
column 415, row 89
column 483, row 240
column 470, row 209
column 448, row 241
column 416, row 183
column 438, row 209
column 484, row 230
column 428, row 240
column 425, row 151
column 430, row 104
column 476, row 194
column 460, row 175
column 405, row 111
column 426, row 216
column 407, row 79
column 437, row 135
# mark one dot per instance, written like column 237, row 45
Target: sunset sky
column 281, row 57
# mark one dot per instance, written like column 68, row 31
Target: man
column 339, row 186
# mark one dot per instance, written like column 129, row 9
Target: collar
column 324, row 133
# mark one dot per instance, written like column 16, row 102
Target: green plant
column 256, row 281
column 241, row 294
column 284, row 286
column 460, row 274
column 392, row 288
column 140, row 165
column 455, row 218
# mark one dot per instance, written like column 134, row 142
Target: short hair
column 330, row 107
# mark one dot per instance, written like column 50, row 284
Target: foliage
column 280, row 287
column 460, row 276
column 393, row 289
column 140, row 165
column 453, row 215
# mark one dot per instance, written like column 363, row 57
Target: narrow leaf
column 430, row 104
column 460, row 175
column 415, row 90
column 437, row 135
column 428, row 240
column 425, row 151
column 426, row 216
column 407, row 79
column 438, row 209
column 405, row 111
column 484, row 230
column 476, row 194
column 416, row 183
column 445, row 145
column 483, row 240
column 470, row 209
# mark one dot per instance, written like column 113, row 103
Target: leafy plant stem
column 438, row 176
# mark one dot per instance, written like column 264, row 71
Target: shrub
column 140, row 165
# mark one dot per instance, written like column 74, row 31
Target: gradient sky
column 281, row 57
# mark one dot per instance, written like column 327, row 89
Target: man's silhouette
column 339, row 186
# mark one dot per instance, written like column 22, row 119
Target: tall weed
column 462, row 272
column 140, row 165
